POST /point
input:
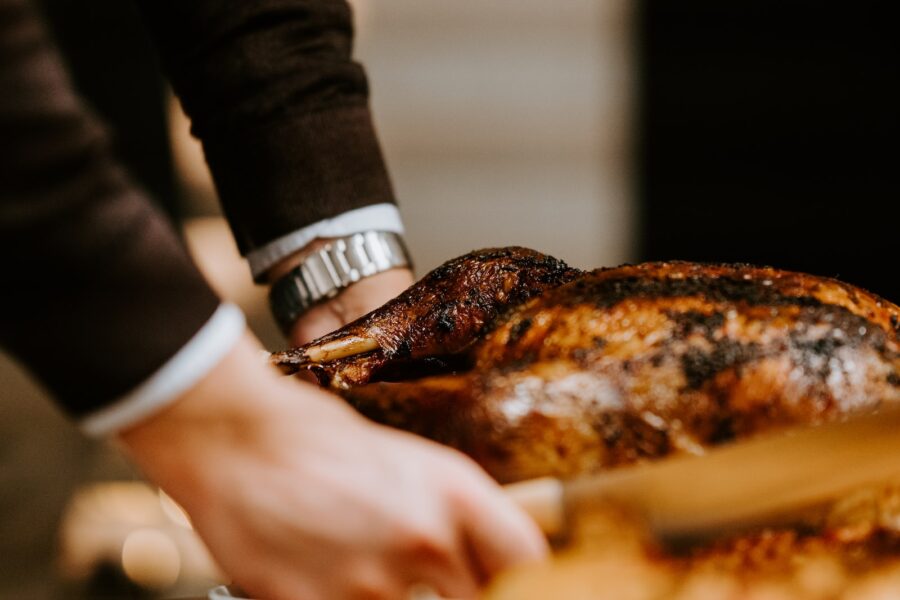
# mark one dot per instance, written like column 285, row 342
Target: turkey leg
column 442, row 314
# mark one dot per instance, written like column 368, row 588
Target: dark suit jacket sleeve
column 280, row 106
column 97, row 291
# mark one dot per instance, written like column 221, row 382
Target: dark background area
column 768, row 134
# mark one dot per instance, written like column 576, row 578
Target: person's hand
column 355, row 301
column 299, row 498
column 358, row 299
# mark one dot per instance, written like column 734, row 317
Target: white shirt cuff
column 377, row 217
column 189, row 365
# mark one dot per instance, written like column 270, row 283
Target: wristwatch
column 330, row 269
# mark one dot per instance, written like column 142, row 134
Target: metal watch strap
column 330, row 269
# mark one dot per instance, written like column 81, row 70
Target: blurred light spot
column 151, row 559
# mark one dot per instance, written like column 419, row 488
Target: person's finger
column 500, row 534
column 450, row 583
column 449, row 576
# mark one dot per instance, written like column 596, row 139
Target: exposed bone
column 286, row 363
column 340, row 348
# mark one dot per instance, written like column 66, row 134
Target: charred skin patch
column 812, row 353
column 701, row 366
column 519, row 329
column 412, row 369
column 735, row 289
column 693, row 321
column 404, row 349
column 446, row 322
column 607, row 292
column 724, row 431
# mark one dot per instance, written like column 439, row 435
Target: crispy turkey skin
column 534, row 368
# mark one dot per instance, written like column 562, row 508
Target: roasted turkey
column 535, row 368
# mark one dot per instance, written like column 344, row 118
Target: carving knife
column 746, row 484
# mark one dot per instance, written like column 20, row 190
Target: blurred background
column 599, row 131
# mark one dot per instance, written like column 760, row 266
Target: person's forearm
column 280, row 106
column 98, row 291
column 282, row 111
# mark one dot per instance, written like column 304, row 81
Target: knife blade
column 746, row 484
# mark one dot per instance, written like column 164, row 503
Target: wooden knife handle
column 542, row 499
